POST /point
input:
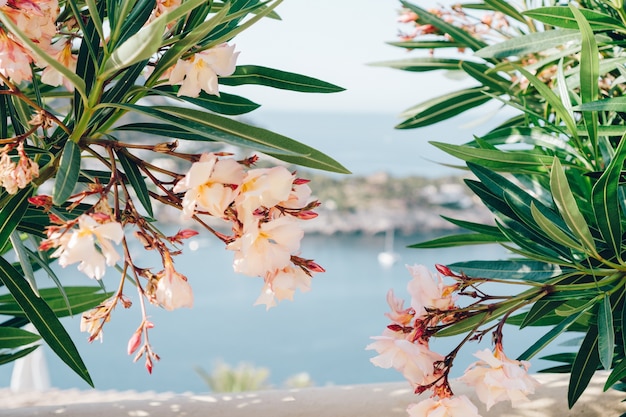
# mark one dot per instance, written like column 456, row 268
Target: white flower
column 282, row 284
column 414, row 360
column 455, row 406
column 80, row 246
column 263, row 187
column 266, row 247
column 200, row 72
column 173, row 291
column 498, row 378
column 427, row 291
column 211, row 185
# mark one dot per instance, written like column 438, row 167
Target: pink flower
column 455, row 406
column 211, row 185
column 62, row 52
column 399, row 314
column 200, row 72
column 267, row 246
column 15, row 60
column 427, row 291
column 415, row 361
column 17, row 176
column 80, row 245
column 498, row 378
column 282, row 284
column 264, row 187
column 173, row 291
column 35, row 18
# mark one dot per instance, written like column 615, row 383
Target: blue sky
column 334, row 40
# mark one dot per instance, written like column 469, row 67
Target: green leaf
column 617, row 104
column 421, row 64
column 506, row 8
column 538, row 311
column 443, row 107
column 475, row 227
column 606, row 202
column 23, row 257
column 214, row 127
column 566, row 203
column 530, row 43
column 225, row 103
column 516, row 269
column 545, row 340
column 65, row 301
column 584, row 366
column 456, row 33
column 511, row 161
column 269, row 77
column 485, row 75
column 11, row 338
column 618, row 373
column 563, row 17
column 460, row 239
column 589, row 73
column 10, row 357
column 12, row 212
column 67, row 175
column 136, row 180
column 44, row 320
column 554, row 232
column 606, row 333
column 426, row 44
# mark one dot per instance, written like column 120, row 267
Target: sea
column 322, row 333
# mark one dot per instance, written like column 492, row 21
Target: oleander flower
column 282, row 284
column 267, row 246
column 15, row 60
column 36, row 19
column 498, row 378
column 398, row 315
column 173, row 291
column 200, row 72
column 415, row 361
column 211, row 185
column 62, row 52
column 16, row 176
column 455, row 406
column 428, row 291
column 263, row 187
column 80, row 245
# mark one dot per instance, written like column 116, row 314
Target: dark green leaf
column 477, row 320
column 10, row 357
column 539, row 310
column 443, row 107
column 584, row 366
column 516, row 269
column 484, row 75
column 617, row 104
column 254, row 74
column 530, row 43
column 606, row 333
column 563, row 17
column 618, row 373
column 475, row 227
column 460, row 239
column 421, row 64
column 67, row 176
column 225, row 103
column 506, row 8
column 11, row 337
column 12, row 213
column 136, row 181
column 426, row 44
column 44, row 320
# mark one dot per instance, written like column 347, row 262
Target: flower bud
column 134, row 342
column 444, row 270
column 306, row 215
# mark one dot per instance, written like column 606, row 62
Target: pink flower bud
column 149, row 365
column 101, row 217
column 300, row 181
column 184, row 234
column 134, row 342
column 444, row 270
column 314, row 267
column 41, row 201
column 306, row 215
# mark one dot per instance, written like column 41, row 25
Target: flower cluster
column 263, row 206
column 404, row 346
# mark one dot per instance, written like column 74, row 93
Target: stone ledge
column 368, row 400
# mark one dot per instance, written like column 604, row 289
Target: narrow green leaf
column 218, row 128
column 553, row 100
column 269, row 77
column 44, row 320
column 617, row 104
column 10, row 357
column 477, row 320
column 426, row 44
column 67, row 175
column 606, row 202
column 554, row 232
column 12, row 212
column 456, row 33
column 136, row 181
column 606, row 332
column 584, row 366
column 563, row 17
column 443, row 107
column 475, row 227
column 506, row 8
column 529, row 44
column 485, row 75
column 538, row 311
column 461, row 239
column 589, row 73
column 566, row 203
column 11, row 337
column 24, row 260
column 618, row 373
column 228, row 104
column 421, row 64
column 545, row 340
column 517, row 269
